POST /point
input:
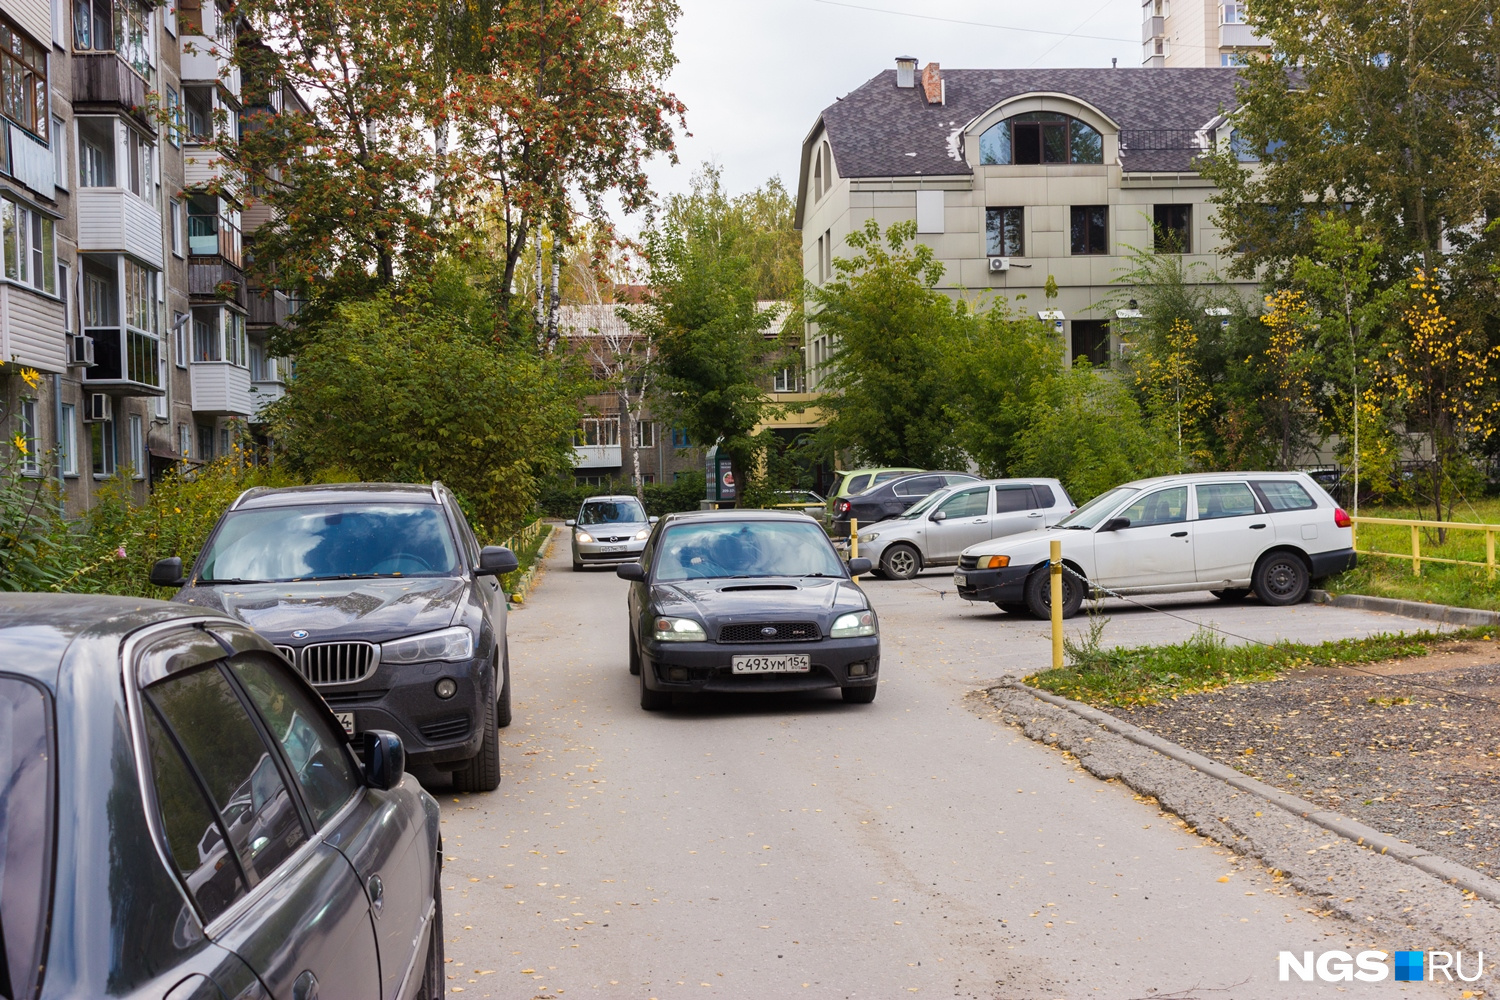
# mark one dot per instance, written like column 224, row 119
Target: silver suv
column 938, row 529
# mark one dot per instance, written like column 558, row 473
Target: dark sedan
column 181, row 817
column 891, row 498
column 748, row 601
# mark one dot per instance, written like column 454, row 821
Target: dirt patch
column 1410, row 747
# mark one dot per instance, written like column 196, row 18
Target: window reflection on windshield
column 925, row 505
column 1097, row 509
column 331, row 541
column 612, row 512
column 737, row 549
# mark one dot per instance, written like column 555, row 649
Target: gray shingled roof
column 881, row 130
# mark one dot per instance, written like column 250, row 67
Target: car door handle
column 980, row 520
column 1035, row 513
column 377, row 893
column 1179, row 534
column 306, row 987
column 1256, row 527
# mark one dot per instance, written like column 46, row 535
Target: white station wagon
column 1272, row 533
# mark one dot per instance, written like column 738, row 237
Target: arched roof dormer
column 1041, row 128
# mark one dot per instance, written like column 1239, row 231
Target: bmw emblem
column 300, row 633
column 768, row 631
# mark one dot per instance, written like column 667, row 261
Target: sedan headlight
column 851, row 625
column 583, row 536
column 992, row 562
column 679, row 630
column 643, row 534
column 449, row 644
column 869, row 536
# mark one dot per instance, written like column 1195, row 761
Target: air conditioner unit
column 80, row 351
column 96, row 407
column 999, row 264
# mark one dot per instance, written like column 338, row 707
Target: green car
column 857, row 481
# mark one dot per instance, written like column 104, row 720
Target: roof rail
column 240, row 499
column 436, row 485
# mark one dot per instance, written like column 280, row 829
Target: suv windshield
column 721, row 549
column 25, row 833
column 1096, row 510
column 330, row 542
column 612, row 512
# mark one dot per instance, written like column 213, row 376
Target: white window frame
column 60, row 152
column 30, row 432
column 182, row 329
column 19, row 249
column 67, row 440
column 137, row 446
column 159, row 411
column 175, row 220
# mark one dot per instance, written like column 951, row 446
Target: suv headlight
column 449, row 644
column 679, row 630
column 852, row 625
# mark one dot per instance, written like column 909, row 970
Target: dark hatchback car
column 891, row 498
column 748, row 601
column 379, row 594
column 181, row 818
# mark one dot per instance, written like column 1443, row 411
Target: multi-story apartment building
column 122, row 252
column 1201, row 33
column 1012, row 176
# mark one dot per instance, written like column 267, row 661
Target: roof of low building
column 881, row 130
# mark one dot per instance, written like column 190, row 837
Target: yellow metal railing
column 524, row 537
column 1416, row 556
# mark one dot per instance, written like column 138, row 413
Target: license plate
column 611, row 548
column 346, row 719
column 959, row 580
column 786, row 663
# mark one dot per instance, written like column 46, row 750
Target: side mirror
column 496, row 560
column 167, row 573
column 653, row 519
column 630, row 571
column 1115, row 524
column 939, row 515
column 385, row 759
column 570, row 523
column 859, row 566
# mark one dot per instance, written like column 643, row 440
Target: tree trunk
column 554, row 298
column 538, row 309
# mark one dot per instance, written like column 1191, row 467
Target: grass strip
column 526, row 555
column 1143, row 675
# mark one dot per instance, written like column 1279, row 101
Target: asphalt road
column 798, row 846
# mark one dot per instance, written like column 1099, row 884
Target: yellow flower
column 31, row 377
column 20, row 443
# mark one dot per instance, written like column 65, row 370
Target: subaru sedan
column 748, row 601
column 181, row 817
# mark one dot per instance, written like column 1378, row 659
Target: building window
column 67, row 440
column 1173, row 228
column 1003, row 229
column 206, row 342
column 175, row 219
column 680, row 438
column 140, row 298
column 159, row 410
column 1041, row 137
column 598, row 431
column 102, row 441
column 213, row 228
column 60, row 152
column 180, row 335
column 1091, row 342
column 96, row 152
column 137, row 446
column 140, row 155
column 645, row 434
column 236, row 344
column 787, row 379
column 31, row 438
column 224, row 440
column 174, row 116
column 119, row 26
column 64, row 292
column 184, row 441
column 205, row 443
column 30, row 252
column 23, row 67
column 1232, row 13
column 198, row 108
column 825, row 256
column 1231, row 59
column 1090, row 229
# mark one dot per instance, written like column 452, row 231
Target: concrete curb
column 1410, row 609
column 528, row 580
column 1361, row 835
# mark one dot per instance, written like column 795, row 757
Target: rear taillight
column 1340, row 518
column 844, row 506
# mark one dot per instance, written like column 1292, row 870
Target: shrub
column 559, row 498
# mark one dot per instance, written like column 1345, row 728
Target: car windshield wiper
column 346, row 576
column 202, row 581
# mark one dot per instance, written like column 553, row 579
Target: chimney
column 906, row 69
column 932, row 84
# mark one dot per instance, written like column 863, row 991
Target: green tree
column 759, row 223
column 996, row 367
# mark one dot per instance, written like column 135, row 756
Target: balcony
column 222, row 389
column 1239, row 36
column 266, row 308
column 1153, row 27
column 596, row 456
column 104, row 80
column 209, row 169
column 126, row 363
column 206, row 59
column 113, row 220
column 216, row 279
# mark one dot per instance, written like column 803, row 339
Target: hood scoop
column 757, row 586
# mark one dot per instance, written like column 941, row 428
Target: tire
column 1231, row 596
column 635, row 657
column 434, row 986
column 862, row 695
column 482, row 772
column 502, row 704
column 1281, row 578
column 1039, row 594
column 653, row 701
column 900, row 562
column 1013, row 609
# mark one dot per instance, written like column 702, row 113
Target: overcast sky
column 755, row 73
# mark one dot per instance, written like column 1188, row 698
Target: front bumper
column 403, row 700
column 607, row 553
column 708, row 665
column 1329, row 563
column 1001, row 586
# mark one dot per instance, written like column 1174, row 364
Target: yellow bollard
column 1489, row 552
column 854, row 540
column 1057, row 605
column 1416, row 551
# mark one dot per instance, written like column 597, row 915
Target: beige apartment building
column 1196, row 33
column 121, row 276
column 1012, row 176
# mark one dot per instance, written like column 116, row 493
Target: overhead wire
column 976, row 24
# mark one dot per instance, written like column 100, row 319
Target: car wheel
column 653, row 701
column 900, row 562
column 1012, row 609
column 862, row 695
column 635, row 656
column 482, row 772
column 502, row 704
column 1233, row 595
column 434, row 986
column 1039, row 594
column 1281, row 579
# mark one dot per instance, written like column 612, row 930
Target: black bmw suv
column 381, row 596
